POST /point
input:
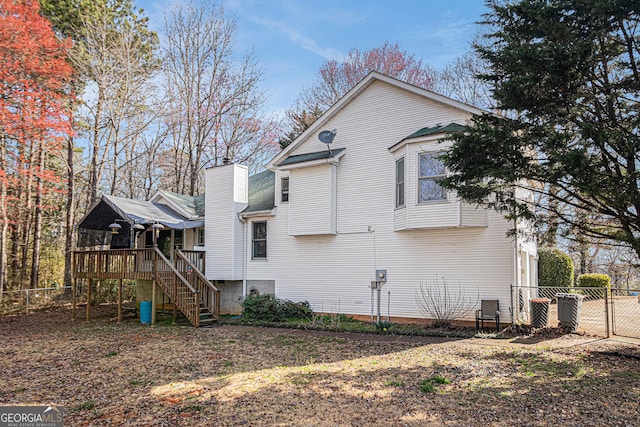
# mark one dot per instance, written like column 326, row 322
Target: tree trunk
column 93, row 173
column 37, row 221
column 70, row 217
column 4, row 218
column 27, row 197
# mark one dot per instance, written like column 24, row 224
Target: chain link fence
column 592, row 311
column 592, row 317
column 625, row 312
column 26, row 300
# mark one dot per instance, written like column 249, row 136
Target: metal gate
column 603, row 313
column 625, row 312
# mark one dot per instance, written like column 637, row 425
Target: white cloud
column 299, row 39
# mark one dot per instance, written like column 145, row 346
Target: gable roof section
column 354, row 92
column 429, row 131
column 308, row 157
column 184, row 204
column 261, row 192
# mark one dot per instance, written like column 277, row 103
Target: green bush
column 592, row 280
column 555, row 268
column 268, row 308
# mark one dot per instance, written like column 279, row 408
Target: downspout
column 515, row 298
column 244, row 255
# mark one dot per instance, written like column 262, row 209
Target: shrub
column 592, row 280
column 444, row 304
column 595, row 281
column 268, row 308
column 555, row 268
column 295, row 310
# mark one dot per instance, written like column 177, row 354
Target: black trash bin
column 569, row 306
column 540, row 312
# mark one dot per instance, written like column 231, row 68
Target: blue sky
column 292, row 38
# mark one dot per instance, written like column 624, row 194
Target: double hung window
column 430, row 171
column 259, row 240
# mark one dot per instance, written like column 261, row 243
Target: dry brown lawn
column 105, row 373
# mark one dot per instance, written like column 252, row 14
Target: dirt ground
column 108, row 373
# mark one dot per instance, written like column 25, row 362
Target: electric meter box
column 381, row 276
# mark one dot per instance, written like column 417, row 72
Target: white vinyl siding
column 226, row 196
column 333, row 271
column 312, row 205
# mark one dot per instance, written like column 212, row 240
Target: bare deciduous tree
column 115, row 60
column 214, row 101
column 460, row 80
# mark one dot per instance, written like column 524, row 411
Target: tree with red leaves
column 34, row 121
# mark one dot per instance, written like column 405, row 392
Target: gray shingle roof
column 300, row 158
column 186, row 202
column 261, row 192
column 111, row 207
column 199, row 201
column 451, row 127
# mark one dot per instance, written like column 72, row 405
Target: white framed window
column 199, row 236
column 430, row 170
column 284, row 190
column 259, row 240
column 400, row 183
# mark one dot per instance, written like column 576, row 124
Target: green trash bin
column 569, row 306
column 539, row 312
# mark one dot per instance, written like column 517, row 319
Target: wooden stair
column 182, row 281
column 187, row 287
column 207, row 317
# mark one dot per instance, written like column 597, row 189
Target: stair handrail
column 191, row 311
column 197, row 271
column 209, row 289
column 175, row 271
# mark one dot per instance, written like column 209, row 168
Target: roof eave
column 262, row 213
column 427, row 138
column 355, row 91
column 334, row 160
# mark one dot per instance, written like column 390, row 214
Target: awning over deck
column 127, row 212
column 110, row 208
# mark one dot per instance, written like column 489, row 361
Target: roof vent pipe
column 226, row 161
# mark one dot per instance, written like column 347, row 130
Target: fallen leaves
column 106, row 373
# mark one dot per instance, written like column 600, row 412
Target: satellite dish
column 327, row 136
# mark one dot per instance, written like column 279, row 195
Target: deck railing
column 209, row 294
column 196, row 258
column 182, row 280
column 178, row 289
column 113, row 264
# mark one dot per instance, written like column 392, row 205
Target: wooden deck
column 181, row 280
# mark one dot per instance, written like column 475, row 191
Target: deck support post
column 175, row 299
column 119, row 300
column 153, row 301
column 74, row 287
column 88, row 315
column 154, row 274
